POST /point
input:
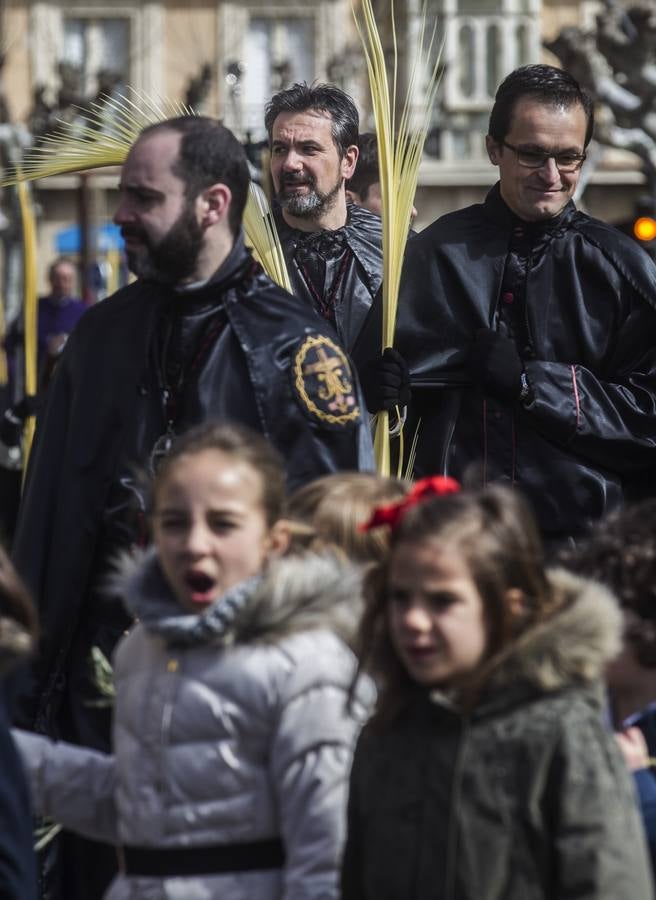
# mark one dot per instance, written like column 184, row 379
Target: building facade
column 226, row 57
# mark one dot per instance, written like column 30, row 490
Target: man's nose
column 292, row 162
column 123, row 213
column 549, row 170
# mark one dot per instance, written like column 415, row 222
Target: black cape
column 587, row 438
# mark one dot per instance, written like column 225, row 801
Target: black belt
column 181, row 862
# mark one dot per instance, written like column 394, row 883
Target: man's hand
column 386, row 381
column 495, row 366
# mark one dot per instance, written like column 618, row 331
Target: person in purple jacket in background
column 59, row 312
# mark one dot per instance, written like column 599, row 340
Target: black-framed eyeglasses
column 535, row 159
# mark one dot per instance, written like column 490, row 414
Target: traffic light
column 644, row 228
column 644, row 222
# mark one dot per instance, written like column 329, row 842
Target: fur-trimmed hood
column 574, row 645
column 296, row 593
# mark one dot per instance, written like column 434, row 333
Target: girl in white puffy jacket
column 233, row 731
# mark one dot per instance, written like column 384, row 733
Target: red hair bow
column 392, row 513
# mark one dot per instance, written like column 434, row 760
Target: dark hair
column 334, row 506
column 366, row 170
column 496, row 534
column 328, row 98
column 545, row 84
column 246, row 446
column 209, row 154
column 621, row 553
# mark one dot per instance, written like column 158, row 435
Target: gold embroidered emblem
column 323, row 381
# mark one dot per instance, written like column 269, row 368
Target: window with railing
column 80, row 48
column 266, row 47
column 97, row 49
column 484, row 40
column 277, row 53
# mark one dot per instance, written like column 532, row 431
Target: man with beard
column 202, row 334
column 333, row 248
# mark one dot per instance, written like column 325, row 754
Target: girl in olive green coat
column 487, row 772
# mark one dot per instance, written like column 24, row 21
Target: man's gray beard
column 312, row 204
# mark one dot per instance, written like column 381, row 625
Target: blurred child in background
column 487, row 771
column 334, row 507
column 621, row 553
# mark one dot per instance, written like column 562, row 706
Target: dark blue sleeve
column 645, row 782
column 18, row 878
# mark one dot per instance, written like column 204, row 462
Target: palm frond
column 262, row 236
column 98, row 137
column 412, row 455
column 102, row 136
column 29, row 305
column 400, row 148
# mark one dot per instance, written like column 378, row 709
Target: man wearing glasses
column 530, row 328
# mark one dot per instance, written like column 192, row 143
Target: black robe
column 356, row 311
column 104, row 412
column 585, row 438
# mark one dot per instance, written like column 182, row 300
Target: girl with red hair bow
column 487, row 770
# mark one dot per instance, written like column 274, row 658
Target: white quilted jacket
column 230, row 727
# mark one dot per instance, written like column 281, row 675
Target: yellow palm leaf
column 262, row 236
column 103, row 136
column 99, row 137
column 400, row 148
column 29, row 305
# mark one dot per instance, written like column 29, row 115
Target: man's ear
column 215, row 204
column 493, row 151
column 349, row 160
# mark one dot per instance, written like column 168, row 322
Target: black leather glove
column 495, row 365
column 385, row 381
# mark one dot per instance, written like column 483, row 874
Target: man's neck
column 329, row 220
column 209, row 261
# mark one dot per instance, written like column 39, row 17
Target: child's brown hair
column 621, row 554
column 241, row 443
column 334, row 507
